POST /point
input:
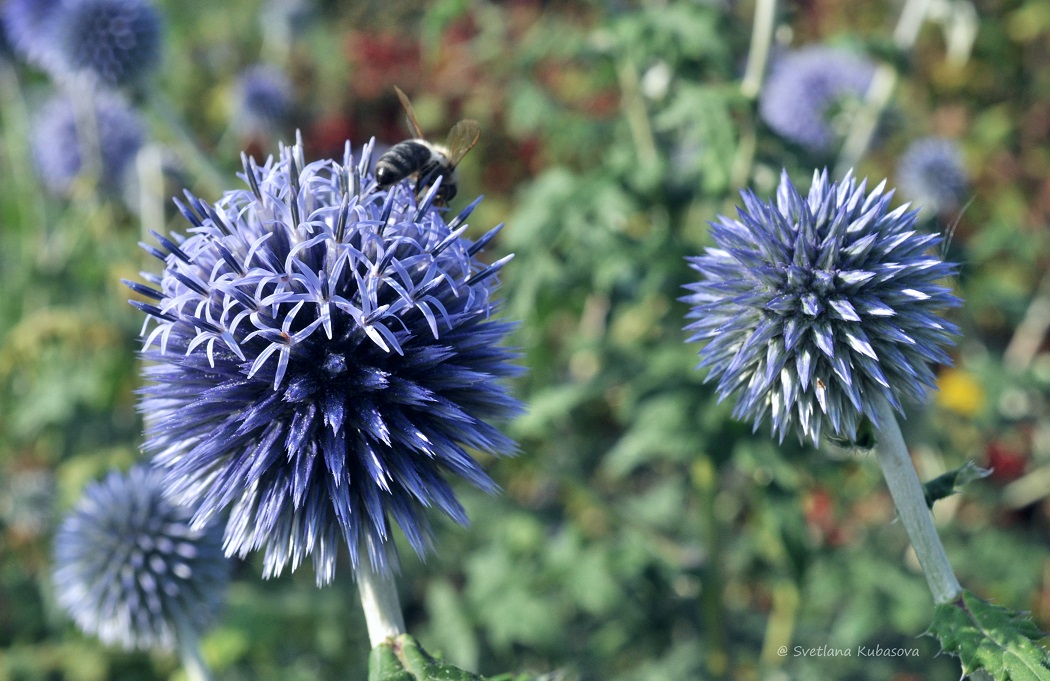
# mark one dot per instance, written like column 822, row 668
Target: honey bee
column 425, row 160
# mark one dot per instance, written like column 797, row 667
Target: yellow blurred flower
column 960, row 392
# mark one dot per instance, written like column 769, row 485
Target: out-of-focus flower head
column 816, row 307
column 931, row 174
column 113, row 42
column 131, row 570
column 263, row 101
column 809, row 89
column 29, row 26
column 26, row 499
column 323, row 357
column 105, row 131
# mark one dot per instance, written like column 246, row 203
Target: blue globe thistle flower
column 264, row 101
column 816, row 307
column 931, row 174
column 59, row 148
column 806, row 91
column 130, row 569
column 29, row 26
column 323, row 358
column 115, row 42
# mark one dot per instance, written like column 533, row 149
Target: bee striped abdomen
column 402, row 160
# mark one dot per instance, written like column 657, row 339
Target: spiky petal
column 812, row 307
column 323, row 358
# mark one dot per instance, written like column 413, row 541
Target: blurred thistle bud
column 810, row 90
column 130, row 569
column 30, row 29
column 323, row 357
column 812, row 307
column 116, row 43
column 931, row 174
column 104, row 132
column 263, row 104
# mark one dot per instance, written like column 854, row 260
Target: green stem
column 380, row 602
column 758, row 54
column 910, row 501
column 636, row 112
column 751, row 85
column 190, row 654
column 712, row 586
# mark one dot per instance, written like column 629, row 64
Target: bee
column 424, row 160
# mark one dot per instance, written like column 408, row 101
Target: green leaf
column 951, row 482
column 991, row 638
column 403, row 659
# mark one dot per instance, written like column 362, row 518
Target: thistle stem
column 761, row 41
column 910, row 501
column 190, row 654
column 380, row 603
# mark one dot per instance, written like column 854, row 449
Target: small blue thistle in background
column 29, row 25
column 131, row 570
column 263, row 102
column 114, row 42
column 931, row 174
column 59, row 147
column 324, row 356
column 809, row 89
column 816, row 308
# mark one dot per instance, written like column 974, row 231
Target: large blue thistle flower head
column 323, row 359
column 113, row 42
column 931, row 174
column 29, row 26
column 103, row 129
column 816, row 307
column 809, row 90
column 130, row 569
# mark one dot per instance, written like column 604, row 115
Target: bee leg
column 425, row 181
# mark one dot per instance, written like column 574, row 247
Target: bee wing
column 461, row 139
column 410, row 113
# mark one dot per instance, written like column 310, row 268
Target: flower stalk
column 380, row 602
column 908, row 497
column 190, row 654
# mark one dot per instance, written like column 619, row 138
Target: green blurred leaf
column 951, row 482
column 403, row 659
column 991, row 638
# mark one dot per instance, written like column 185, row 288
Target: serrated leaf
column 951, row 482
column 991, row 638
column 403, row 659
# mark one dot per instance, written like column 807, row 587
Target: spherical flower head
column 931, row 174
column 131, row 570
column 115, row 42
column 815, row 308
column 264, row 101
column 115, row 134
column 324, row 356
column 29, row 26
column 806, row 91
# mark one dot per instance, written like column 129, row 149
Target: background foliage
column 643, row 534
